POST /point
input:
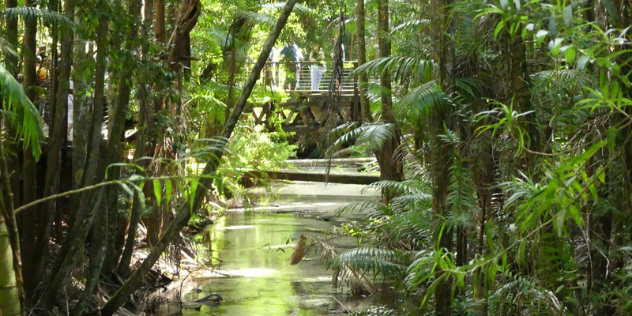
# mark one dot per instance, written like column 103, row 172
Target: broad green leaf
column 567, row 14
column 540, row 36
column 194, row 184
column 499, row 27
column 168, row 191
column 569, row 54
column 552, row 25
column 581, row 62
column 554, row 46
column 157, row 191
column 559, row 219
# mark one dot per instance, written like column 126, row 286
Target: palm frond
column 18, row 109
column 43, row 15
column 422, row 101
column 374, row 135
column 280, row 5
column 401, row 68
column 371, row 260
column 366, row 208
column 410, row 25
column 7, row 48
column 257, row 17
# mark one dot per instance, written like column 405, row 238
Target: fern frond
column 367, row 208
column 257, row 17
column 43, row 15
column 374, row 134
column 423, row 101
column 400, row 68
column 410, row 25
column 280, row 5
column 371, row 260
column 19, row 111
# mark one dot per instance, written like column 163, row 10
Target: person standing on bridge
column 318, row 67
column 290, row 53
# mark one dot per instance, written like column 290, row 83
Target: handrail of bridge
column 272, row 76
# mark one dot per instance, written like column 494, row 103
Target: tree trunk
column 146, row 130
column 362, row 78
column 9, row 293
column 57, row 136
column 7, row 219
column 73, row 245
column 390, row 166
column 81, row 111
column 159, row 25
column 30, row 216
column 97, row 256
column 184, row 213
column 443, row 29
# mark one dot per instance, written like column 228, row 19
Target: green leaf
column 499, row 27
column 194, row 184
column 552, row 25
column 168, row 190
column 567, row 14
column 126, row 189
column 541, row 35
column 581, row 62
column 157, row 191
column 554, row 46
column 21, row 112
column 569, row 54
column 559, row 219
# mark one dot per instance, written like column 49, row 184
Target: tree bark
column 31, row 217
column 73, row 245
column 9, row 293
column 159, row 25
column 362, row 78
column 146, row 130
column 443, row 30
column 390, row 165
column 7, row 219
column 184, row 213
column 57, row 136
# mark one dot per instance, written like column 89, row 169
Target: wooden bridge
column 306, row 109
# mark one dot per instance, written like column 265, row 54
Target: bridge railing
column 275, row 74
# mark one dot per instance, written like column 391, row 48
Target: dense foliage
column 501, row 129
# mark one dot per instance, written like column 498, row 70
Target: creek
column 250, row 251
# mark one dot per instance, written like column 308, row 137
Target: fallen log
column 312, row 177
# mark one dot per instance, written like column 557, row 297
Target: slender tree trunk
column 73, row 245
column 9, row 293
column 58, row 134
column 31, row 216
column 97, row 255
column 443, row 29
column 146, row 130
column 7, row 219
column 362, row 78
column 11, row 64
column 81, row 111
column 184, row 213
column 159, row 25
column 390, row 166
